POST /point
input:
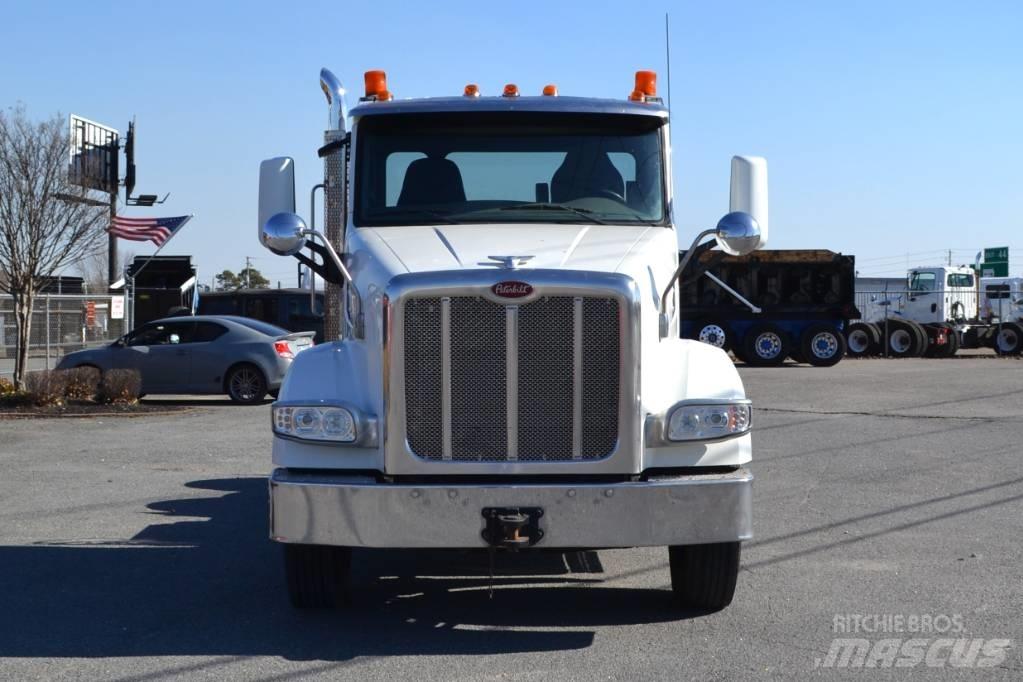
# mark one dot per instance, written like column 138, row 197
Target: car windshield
column 261, row 327
column 509, row 167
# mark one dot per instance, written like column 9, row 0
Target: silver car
column 242, row 357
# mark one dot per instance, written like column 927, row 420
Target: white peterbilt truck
column 508, row 373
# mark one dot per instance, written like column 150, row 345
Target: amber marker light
column 376, row 86
column 472, row 90
column 550, row 90
column 646, row 86
column 511, row 90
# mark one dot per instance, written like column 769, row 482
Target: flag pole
column 130, row 280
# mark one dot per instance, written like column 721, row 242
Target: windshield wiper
column 583, row 212
column 439, row 217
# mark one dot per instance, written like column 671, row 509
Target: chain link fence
column 61, row 323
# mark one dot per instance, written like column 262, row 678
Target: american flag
column 156, row 230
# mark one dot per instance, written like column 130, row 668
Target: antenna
column 667, row 57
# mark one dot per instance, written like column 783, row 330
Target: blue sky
column 891, row 128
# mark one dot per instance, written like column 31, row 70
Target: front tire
column 704, row 576
column 317, row 575
column 714, row 333
column 246, row 385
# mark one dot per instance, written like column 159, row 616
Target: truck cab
column 509, row 374
column 941, row 294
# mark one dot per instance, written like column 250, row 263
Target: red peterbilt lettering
column 512, row 289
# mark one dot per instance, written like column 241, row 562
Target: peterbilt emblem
column 512, row 289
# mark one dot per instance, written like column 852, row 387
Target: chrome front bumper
column 357, row 511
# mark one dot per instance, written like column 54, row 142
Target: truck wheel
column 317, row 575
column 878, row 336
column 921, row 337
column 822, row 345
column 902, row 340
column 943, row 350
column 1009, row 339
column 953, row 340
column 704, row 576
column 765, row 345
column 860, row 339
column 715, row 333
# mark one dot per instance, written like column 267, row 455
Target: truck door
column 960, row 297
column 923, row 304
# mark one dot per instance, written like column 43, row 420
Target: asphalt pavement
column 135, row 549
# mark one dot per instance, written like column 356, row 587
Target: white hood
column 600, row 248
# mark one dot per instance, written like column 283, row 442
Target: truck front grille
column 488, row 382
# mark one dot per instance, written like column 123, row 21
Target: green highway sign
column 994, row 269
column 997, row 254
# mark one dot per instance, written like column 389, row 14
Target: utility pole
column 248, row 269
column 950, row 257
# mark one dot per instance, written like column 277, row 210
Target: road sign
column 997, row 254
column 117, row 307
column 994, row 269
column 92, row 161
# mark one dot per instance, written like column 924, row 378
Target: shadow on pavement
column 207, row 582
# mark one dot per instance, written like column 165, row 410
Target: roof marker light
column 511, row 90
column 646, row 86
column 376, row 86
column 472, row 90
column 550, row 90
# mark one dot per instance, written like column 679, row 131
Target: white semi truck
column 509, row 373
column 943, row 309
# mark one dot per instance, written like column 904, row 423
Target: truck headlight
column 709, row 421
column 320, row 423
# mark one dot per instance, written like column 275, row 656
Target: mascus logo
column 512, row 289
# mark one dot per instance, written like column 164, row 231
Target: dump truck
column 509, row 374
column 771, row 305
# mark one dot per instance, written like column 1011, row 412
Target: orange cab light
column 511, row 90
column 472, row 90
column 376, row 86
column 550, row 90
column 646, row 86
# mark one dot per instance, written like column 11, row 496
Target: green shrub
column 120, row 387
column 82, row 383
column 46, row 387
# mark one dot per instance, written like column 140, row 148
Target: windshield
column 508, row 167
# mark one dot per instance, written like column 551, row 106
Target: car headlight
column 320, row 423
column 706, row 422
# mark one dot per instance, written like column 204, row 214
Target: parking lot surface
column 135, row 549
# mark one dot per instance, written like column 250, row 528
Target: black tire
column 923, row 342
column 704, row 576
column 317, row 575
column 245, row 384
column 902, row 340
column 822, row 345
column 861, row 339
column 878, row 347
column 765, row 345
column 1008, row 339
column 715, row 333
column 941, row 350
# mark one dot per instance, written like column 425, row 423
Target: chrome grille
column 554, row 360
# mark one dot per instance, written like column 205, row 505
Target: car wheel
column 246, row 385
column 317, row 575
column 822, row 345
column 765, row 345
column 704, row 576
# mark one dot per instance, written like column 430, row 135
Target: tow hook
column 512, row 527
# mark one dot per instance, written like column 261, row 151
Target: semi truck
column 771, row 305
column 509, row 374
column 943, row 308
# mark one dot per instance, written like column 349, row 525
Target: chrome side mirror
column 284, row 234
column 737, row 234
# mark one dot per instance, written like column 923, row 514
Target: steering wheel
column 610, row 194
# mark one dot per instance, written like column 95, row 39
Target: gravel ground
column 135, row 549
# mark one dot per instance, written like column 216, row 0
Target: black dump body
column 288, row 308
column 158, row 281
column 803, row 284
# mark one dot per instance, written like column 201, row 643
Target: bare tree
column 43, row 228
column 93, row 269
